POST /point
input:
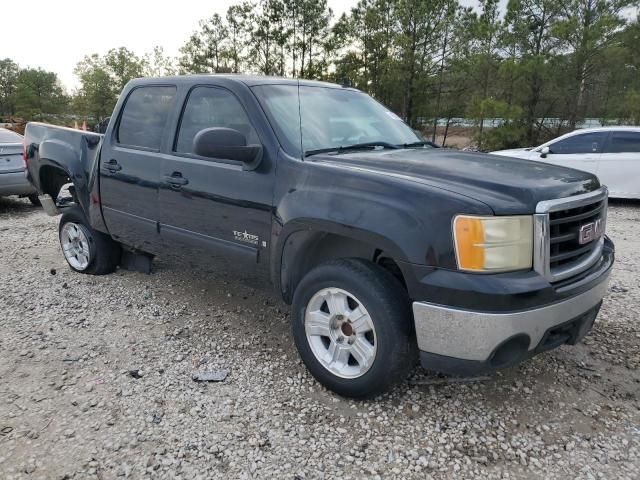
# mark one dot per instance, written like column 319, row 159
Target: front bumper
column 464, row 341
column 15, row 183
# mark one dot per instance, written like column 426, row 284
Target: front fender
column 303, row 215
column 341, row 216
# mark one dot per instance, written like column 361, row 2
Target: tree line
column 540, row 66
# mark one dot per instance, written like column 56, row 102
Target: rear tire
column 33, row 198
column 85, row 249
column 352, row 325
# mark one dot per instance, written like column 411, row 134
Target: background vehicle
column 385, row 247
column 612, row 153
column 13, row 171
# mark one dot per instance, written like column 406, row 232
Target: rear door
column 130, row 166
column 581, row 151
column 619, row 167
column 211, row 205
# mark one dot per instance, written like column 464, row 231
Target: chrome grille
column 558, row 253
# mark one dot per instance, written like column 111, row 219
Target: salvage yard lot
column 96, row 382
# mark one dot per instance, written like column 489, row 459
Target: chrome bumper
column 474, row 336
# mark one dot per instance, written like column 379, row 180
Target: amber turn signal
column 493, row 244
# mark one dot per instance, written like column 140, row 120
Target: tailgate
column 11, row 158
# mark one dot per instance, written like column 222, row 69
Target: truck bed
column 57, row 156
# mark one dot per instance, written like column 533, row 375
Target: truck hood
column 509, row 186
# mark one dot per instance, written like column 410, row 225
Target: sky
column 57, row 34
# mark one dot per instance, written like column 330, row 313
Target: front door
column 208, row 205
column 130, row 167
column 581, row 151
column 619, row 167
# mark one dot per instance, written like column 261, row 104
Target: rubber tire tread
column 390, row 309
column 106, row 251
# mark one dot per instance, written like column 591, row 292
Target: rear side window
column 623, row 142
column 144, row 117
column 209, row 107
column 583, row 143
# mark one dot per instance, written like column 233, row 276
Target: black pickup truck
column 387, row 248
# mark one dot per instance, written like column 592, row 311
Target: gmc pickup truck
column 388, row 250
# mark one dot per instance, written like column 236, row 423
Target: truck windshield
column 324, row 119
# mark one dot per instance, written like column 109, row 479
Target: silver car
column 13, row 170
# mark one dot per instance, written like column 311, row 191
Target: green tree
column 587, row 28
column 102, row 78
column 39, row 94
column 308, row 29
column 631, row 108
column 446, row 51
column 123, row 65
column 237, row 19
column 421, row 24
column 505, row 135
column 484, row 62
column 372, row 30
column 428, row 60
column 157, row 64
column 8, row 79
column 206, row 49
column 530, row 46
column 265, row 33
column 97, row 94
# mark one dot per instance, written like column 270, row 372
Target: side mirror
column 227, row 144
column 544, row 151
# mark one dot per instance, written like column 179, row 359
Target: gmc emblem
column 590, row 231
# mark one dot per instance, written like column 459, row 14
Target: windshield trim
column 355, row 146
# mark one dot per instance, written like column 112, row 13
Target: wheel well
column 303, row 251
column 52, row 179
column 392, row 267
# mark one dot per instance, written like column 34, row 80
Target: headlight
column 493, row 244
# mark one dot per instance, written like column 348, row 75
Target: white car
column 612, row 153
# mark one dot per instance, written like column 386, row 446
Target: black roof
column 249, row 80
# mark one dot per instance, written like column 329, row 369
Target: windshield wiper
column 419, row 144
column 356, row 146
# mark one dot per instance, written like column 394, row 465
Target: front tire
column 352, row 326
column 85, row 249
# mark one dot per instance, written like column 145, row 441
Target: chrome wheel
column 340, row 333
column 75, row 245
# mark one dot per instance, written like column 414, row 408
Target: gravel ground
column 96, row 382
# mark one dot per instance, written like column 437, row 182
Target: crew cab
column 387, row 249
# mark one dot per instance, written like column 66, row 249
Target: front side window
column 144, row 117
column 323, row 117
column 624, row 142
column 583, row 143
column 209, row 107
